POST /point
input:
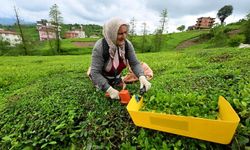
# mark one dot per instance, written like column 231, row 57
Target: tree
column 163, row 21
column 4, row 45
column 56, row 19
column 132, row 29
column 158, row 33
column 21, row 32
column 144, row 33
column 220, row 38
column 181, row 28
column 224, row 12
column 92, row 29
column 246, row 29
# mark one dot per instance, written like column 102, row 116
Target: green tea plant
column 48, row 102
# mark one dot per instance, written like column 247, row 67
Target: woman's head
column 115, row 30
column 121, row 35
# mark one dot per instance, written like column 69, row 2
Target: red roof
column 7, row 32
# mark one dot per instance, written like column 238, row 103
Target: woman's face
column 122, row 34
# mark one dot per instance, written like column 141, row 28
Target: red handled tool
column 124, row 96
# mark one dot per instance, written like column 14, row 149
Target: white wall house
column 12, row 37
column 75, row 33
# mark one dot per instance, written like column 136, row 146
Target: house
column 11, row 37
column 204, row 23
column 94, row 36
column 46, row 30
column 191, row 27
column 75, row 33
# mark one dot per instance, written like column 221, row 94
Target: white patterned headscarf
column 110, row 31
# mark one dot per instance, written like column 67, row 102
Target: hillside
column 228, row 36
column 173, row 41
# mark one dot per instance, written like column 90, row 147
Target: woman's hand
column 144, row 82
column 114, row 94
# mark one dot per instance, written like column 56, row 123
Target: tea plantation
column 48, row 102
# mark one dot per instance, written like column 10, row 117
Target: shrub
column 236, row 40
column 219, row 36
column 4, row 46
column 148, row 45
column 246, row 29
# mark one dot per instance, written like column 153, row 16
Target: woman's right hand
column 114, row 94
column 144, row 82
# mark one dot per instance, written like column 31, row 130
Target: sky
column 180, row 12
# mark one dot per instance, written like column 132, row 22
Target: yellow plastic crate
column 219, row 131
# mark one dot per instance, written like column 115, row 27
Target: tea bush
column 48, row 102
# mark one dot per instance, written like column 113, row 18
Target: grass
column 67, row 47
column 173, row 40
column 49, row 102
column 170, row 41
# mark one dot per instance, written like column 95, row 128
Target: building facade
column 11, row 37
column 46, row 30
column 204, row 23
column 75, row 34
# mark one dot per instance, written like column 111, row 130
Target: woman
column 111, row 55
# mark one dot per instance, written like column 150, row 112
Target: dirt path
column 197, row 40
column 233, row 32
column 83, row 44
column 188, row 43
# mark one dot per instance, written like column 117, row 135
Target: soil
column 233, row 32
column 188, row 43
column 196, row 40
column 84, row 44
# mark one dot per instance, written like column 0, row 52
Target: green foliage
column 169, row 42
column 146, row 45
column 172, row 40
column 51, row 113
column 132, row 28
column 246, row 29
column 181, row 28
column 55, row 15
column 57, row 20
column 220, row 38
column 31, row 37
column 30, row 32
column 158, row 39
column 4, row 45
column 92, row 29
column 163, row 21
column 236, row 25
column 236, row 40
column 48, row 102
